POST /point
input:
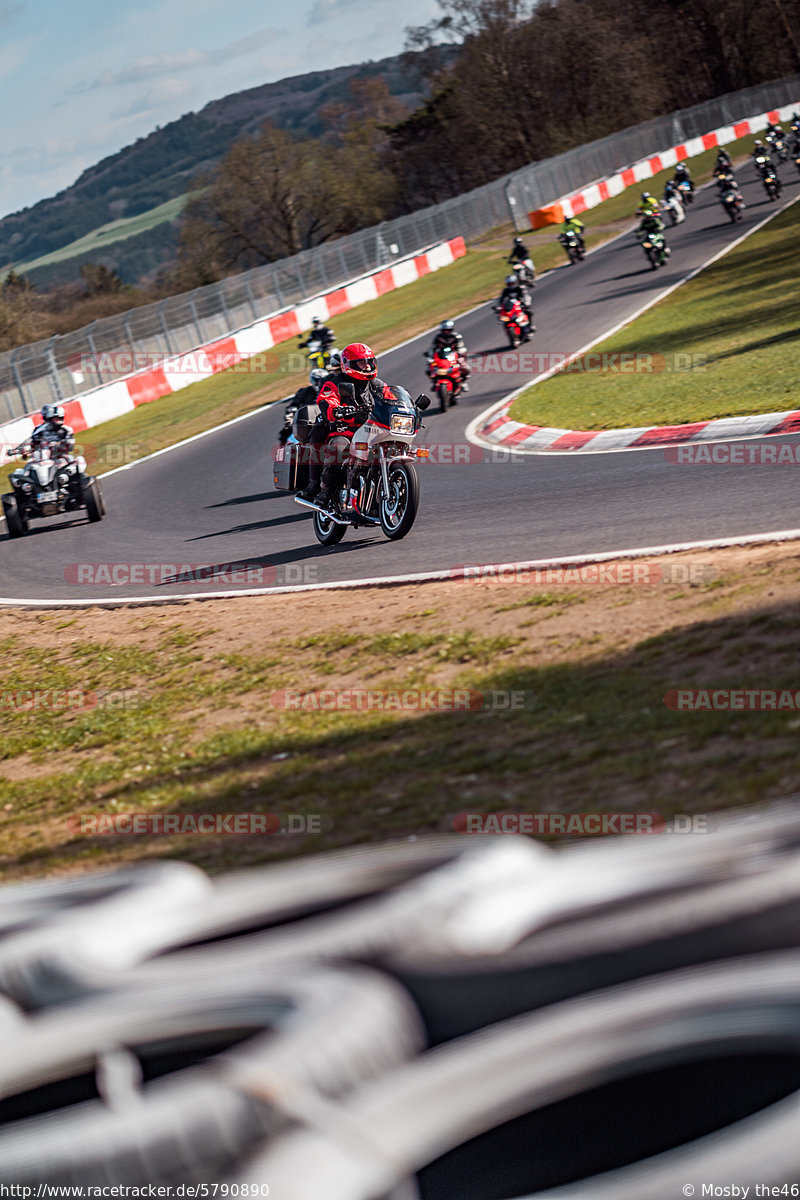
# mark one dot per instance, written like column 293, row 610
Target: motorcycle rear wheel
column 398, row 510
column 326, row 531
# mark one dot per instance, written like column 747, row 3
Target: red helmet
column 359, row 362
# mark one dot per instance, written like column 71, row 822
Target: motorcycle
column 685, row 188
column 515, row 320
column 675, row 209
column 444, row 370
column 572, row 244
column 772, row 185
column 524, row 271
column 777, row 145
column 654, row 246
column 732, row 202
column 318, row 352
column 378, row 484
column 50, row 484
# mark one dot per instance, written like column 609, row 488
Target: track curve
column 210, row 501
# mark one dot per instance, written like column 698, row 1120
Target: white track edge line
column 451, row 576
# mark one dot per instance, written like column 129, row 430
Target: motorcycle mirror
column 348, row 390
column 422, row 402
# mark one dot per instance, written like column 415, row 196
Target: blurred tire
column 60, row 937
column 693, row 1072
column 457, row 995
column 179, row 1104
column 445, row 893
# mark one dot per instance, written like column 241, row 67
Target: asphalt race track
column 211, row 501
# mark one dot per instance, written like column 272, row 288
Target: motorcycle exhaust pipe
column 318, row 508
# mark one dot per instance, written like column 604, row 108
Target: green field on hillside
column 115, row 231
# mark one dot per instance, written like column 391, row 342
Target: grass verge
column 190, row 721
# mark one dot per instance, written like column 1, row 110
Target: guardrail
column 40, row 373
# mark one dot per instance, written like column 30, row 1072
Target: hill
column 160, row 167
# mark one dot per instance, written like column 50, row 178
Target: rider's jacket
column 322, row 334
column 367, row 392
column 60, row 437
column 446, row 338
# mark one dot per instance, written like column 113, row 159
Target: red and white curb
column 124, row 395
column 646, row 168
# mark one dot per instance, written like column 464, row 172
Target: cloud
column 165, row 91
column 152, row 66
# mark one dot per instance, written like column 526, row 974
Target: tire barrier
column 485, row 1018
column 631, row 1091
column 151, row 1087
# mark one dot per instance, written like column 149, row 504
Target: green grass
column 725, row 344
column 204, row 735
column 115, row 231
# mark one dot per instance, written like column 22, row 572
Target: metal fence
column 40, row 373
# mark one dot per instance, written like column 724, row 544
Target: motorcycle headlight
column 402, row 424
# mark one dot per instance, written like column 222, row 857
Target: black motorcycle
column 732, row 202
column 573, row 246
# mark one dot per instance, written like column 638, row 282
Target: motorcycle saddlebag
column 304, row 419
column 285, row 467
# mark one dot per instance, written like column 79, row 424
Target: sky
column 80, row 80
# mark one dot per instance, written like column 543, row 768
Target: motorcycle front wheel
column 444, row 395
column 398, row 509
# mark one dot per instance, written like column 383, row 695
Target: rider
column 761, row 154
column 573, row 225
column 319, row 333
column 307, row 394
column 354, row 388
column 514, row 290
column 682, row 174
column 650, row 224
column 53, row 433
column 649, row 205
column 519, row 251
column 448, row 337
column 724, row 162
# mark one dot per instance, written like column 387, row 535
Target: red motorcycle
column 516, row 321
column 444, row 371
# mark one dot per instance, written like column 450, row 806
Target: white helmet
column 317, row 377
column 53, row 412
column 511, row 279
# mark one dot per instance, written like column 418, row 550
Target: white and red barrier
column 170, row 375
column 646, row 168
